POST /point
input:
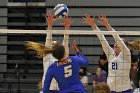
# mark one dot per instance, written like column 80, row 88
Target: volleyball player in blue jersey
column 65, row 70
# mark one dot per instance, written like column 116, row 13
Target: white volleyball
column 61, row 10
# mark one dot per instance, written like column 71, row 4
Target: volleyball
column 61, row 10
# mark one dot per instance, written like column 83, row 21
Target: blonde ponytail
column 134, row 45
column 39, row 48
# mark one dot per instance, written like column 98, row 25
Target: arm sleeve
column 106, row 47
column 48, row 44
column 65, row 43
column 124, row 49
column 83, row 61
column 48, row 39
column 47, row 81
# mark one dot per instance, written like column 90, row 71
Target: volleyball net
column 86, row 39
column 12, row 47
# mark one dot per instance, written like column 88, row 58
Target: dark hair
column 103, row 57
column 84, row 70
column 58, row 51
column 98, row 67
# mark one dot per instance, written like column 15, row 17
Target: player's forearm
column 83, row 59
column 49, row 26
column 65, row 44
column 121, row 43
column 46, row 85
column 108, row 26
column 106, row 47
column 49, row 37
column 45, row 89
column 94, row 27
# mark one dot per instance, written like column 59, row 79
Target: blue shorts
column 127, row 91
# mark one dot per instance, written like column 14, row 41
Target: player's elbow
column 86, row 62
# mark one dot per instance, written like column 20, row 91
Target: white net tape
column 73, row 32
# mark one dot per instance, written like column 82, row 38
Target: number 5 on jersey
column 68, row 71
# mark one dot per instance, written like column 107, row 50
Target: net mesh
column 13, row 51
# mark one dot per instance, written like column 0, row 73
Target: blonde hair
column 134, row 45
column 39, row 48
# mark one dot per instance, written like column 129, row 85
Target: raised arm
column 106, row 47
column 48, row 79
column 82, row 60
column 67, row 24
column 50, row 20
column 122, row 45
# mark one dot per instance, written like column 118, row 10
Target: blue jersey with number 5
column 66, row 74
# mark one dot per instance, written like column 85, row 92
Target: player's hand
column 67, row 23
column 103, row 20
column 73, row 46
column 90, row 21
column 50, row 19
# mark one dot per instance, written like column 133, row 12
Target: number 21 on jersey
column 114, row 66
column 68, row 71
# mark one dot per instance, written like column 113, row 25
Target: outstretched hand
column 73, row 46
column 50, row 19
column 67, row 23
column 90, row 21
column 103, row 20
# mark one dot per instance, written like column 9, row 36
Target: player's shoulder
column 53, row 64
column 74, row 58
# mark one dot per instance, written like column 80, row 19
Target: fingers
column 93, row 17
column 102, row 17
column 49, row 14
column 73, row 45
column 85, row 20
column 46, row 17
column 100, row 21
column 99, row 17
column 67, row 22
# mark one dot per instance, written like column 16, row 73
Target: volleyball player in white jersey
column 119, row 58
column 49, row 59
